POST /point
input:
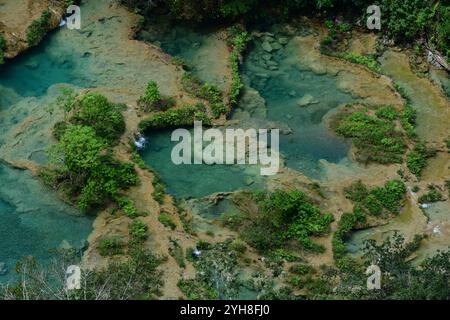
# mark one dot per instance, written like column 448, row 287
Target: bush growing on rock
column 2, row 48
column 184, row 116
column 111, row 246
column 151, row 98
column 286, row 216
column 138, row 230
column 374, row 201
column 38, row 29
column 83, row 167
column 376, row 139
column 417, row 158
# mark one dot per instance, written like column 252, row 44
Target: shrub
column 433, row 195
column 408, row 120
column 138, row 230
column 111, row 246
column 128, row 207
column 197, row 290
column 417, row 158
column 151, row 98
column 238, row 246
column 176, row 117
column 286, row 216
column 373, row 201
column 368, row 61
column 105, row 118
column 159, row 189
column 301, row 269
column 167, row 221
column 387, row 112
column 2, row 48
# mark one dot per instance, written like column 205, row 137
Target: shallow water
column 433, row 108
column 298, row 99
column 34, row 220
column 198, row 47
column 195, row 180
column 274, row 87
column 433, row 117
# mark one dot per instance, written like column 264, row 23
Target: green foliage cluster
column 348, row 221
column 136, row 278
column 84, row 169
column 407, row 20
column 152, row 100
column 284, row 217
column 127, row 205
column 195, row 290
column 376, row 139
column 111, row 246
column 402, row 279
column 369, row 61
column 417, row 158
column 375, row 201
column 167, row 221
column 184, row 116
column 408, row 120
column 39, row 28
column 138, row 231
column 159, row 189
column 2, row 49
column 209, row 92
column 433, row 195
column 330, row 45
column 238, row 40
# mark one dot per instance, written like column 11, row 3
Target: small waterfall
column 140, row 142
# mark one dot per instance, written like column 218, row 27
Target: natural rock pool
column 280, row 92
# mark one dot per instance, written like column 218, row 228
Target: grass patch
column 368, row 61
column 417, row 158
column 375, row 137
column 39, row 28
column 377, row 200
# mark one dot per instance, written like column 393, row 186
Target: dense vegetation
column 152, row 100
column 2, row 48
column 375, row 136
column 83, row 167
column 285, row 219
column 402, row 20
column 387, row 199
column 417, row 158
column 209, row 92
column 135, row 278
column 184, row 116
column 401, row 279
column 376, row 201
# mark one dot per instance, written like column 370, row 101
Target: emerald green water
column 274, row 84
column 34, row 221
column 195, row 180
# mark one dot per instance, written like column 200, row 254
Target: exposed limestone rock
column 16, row 16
